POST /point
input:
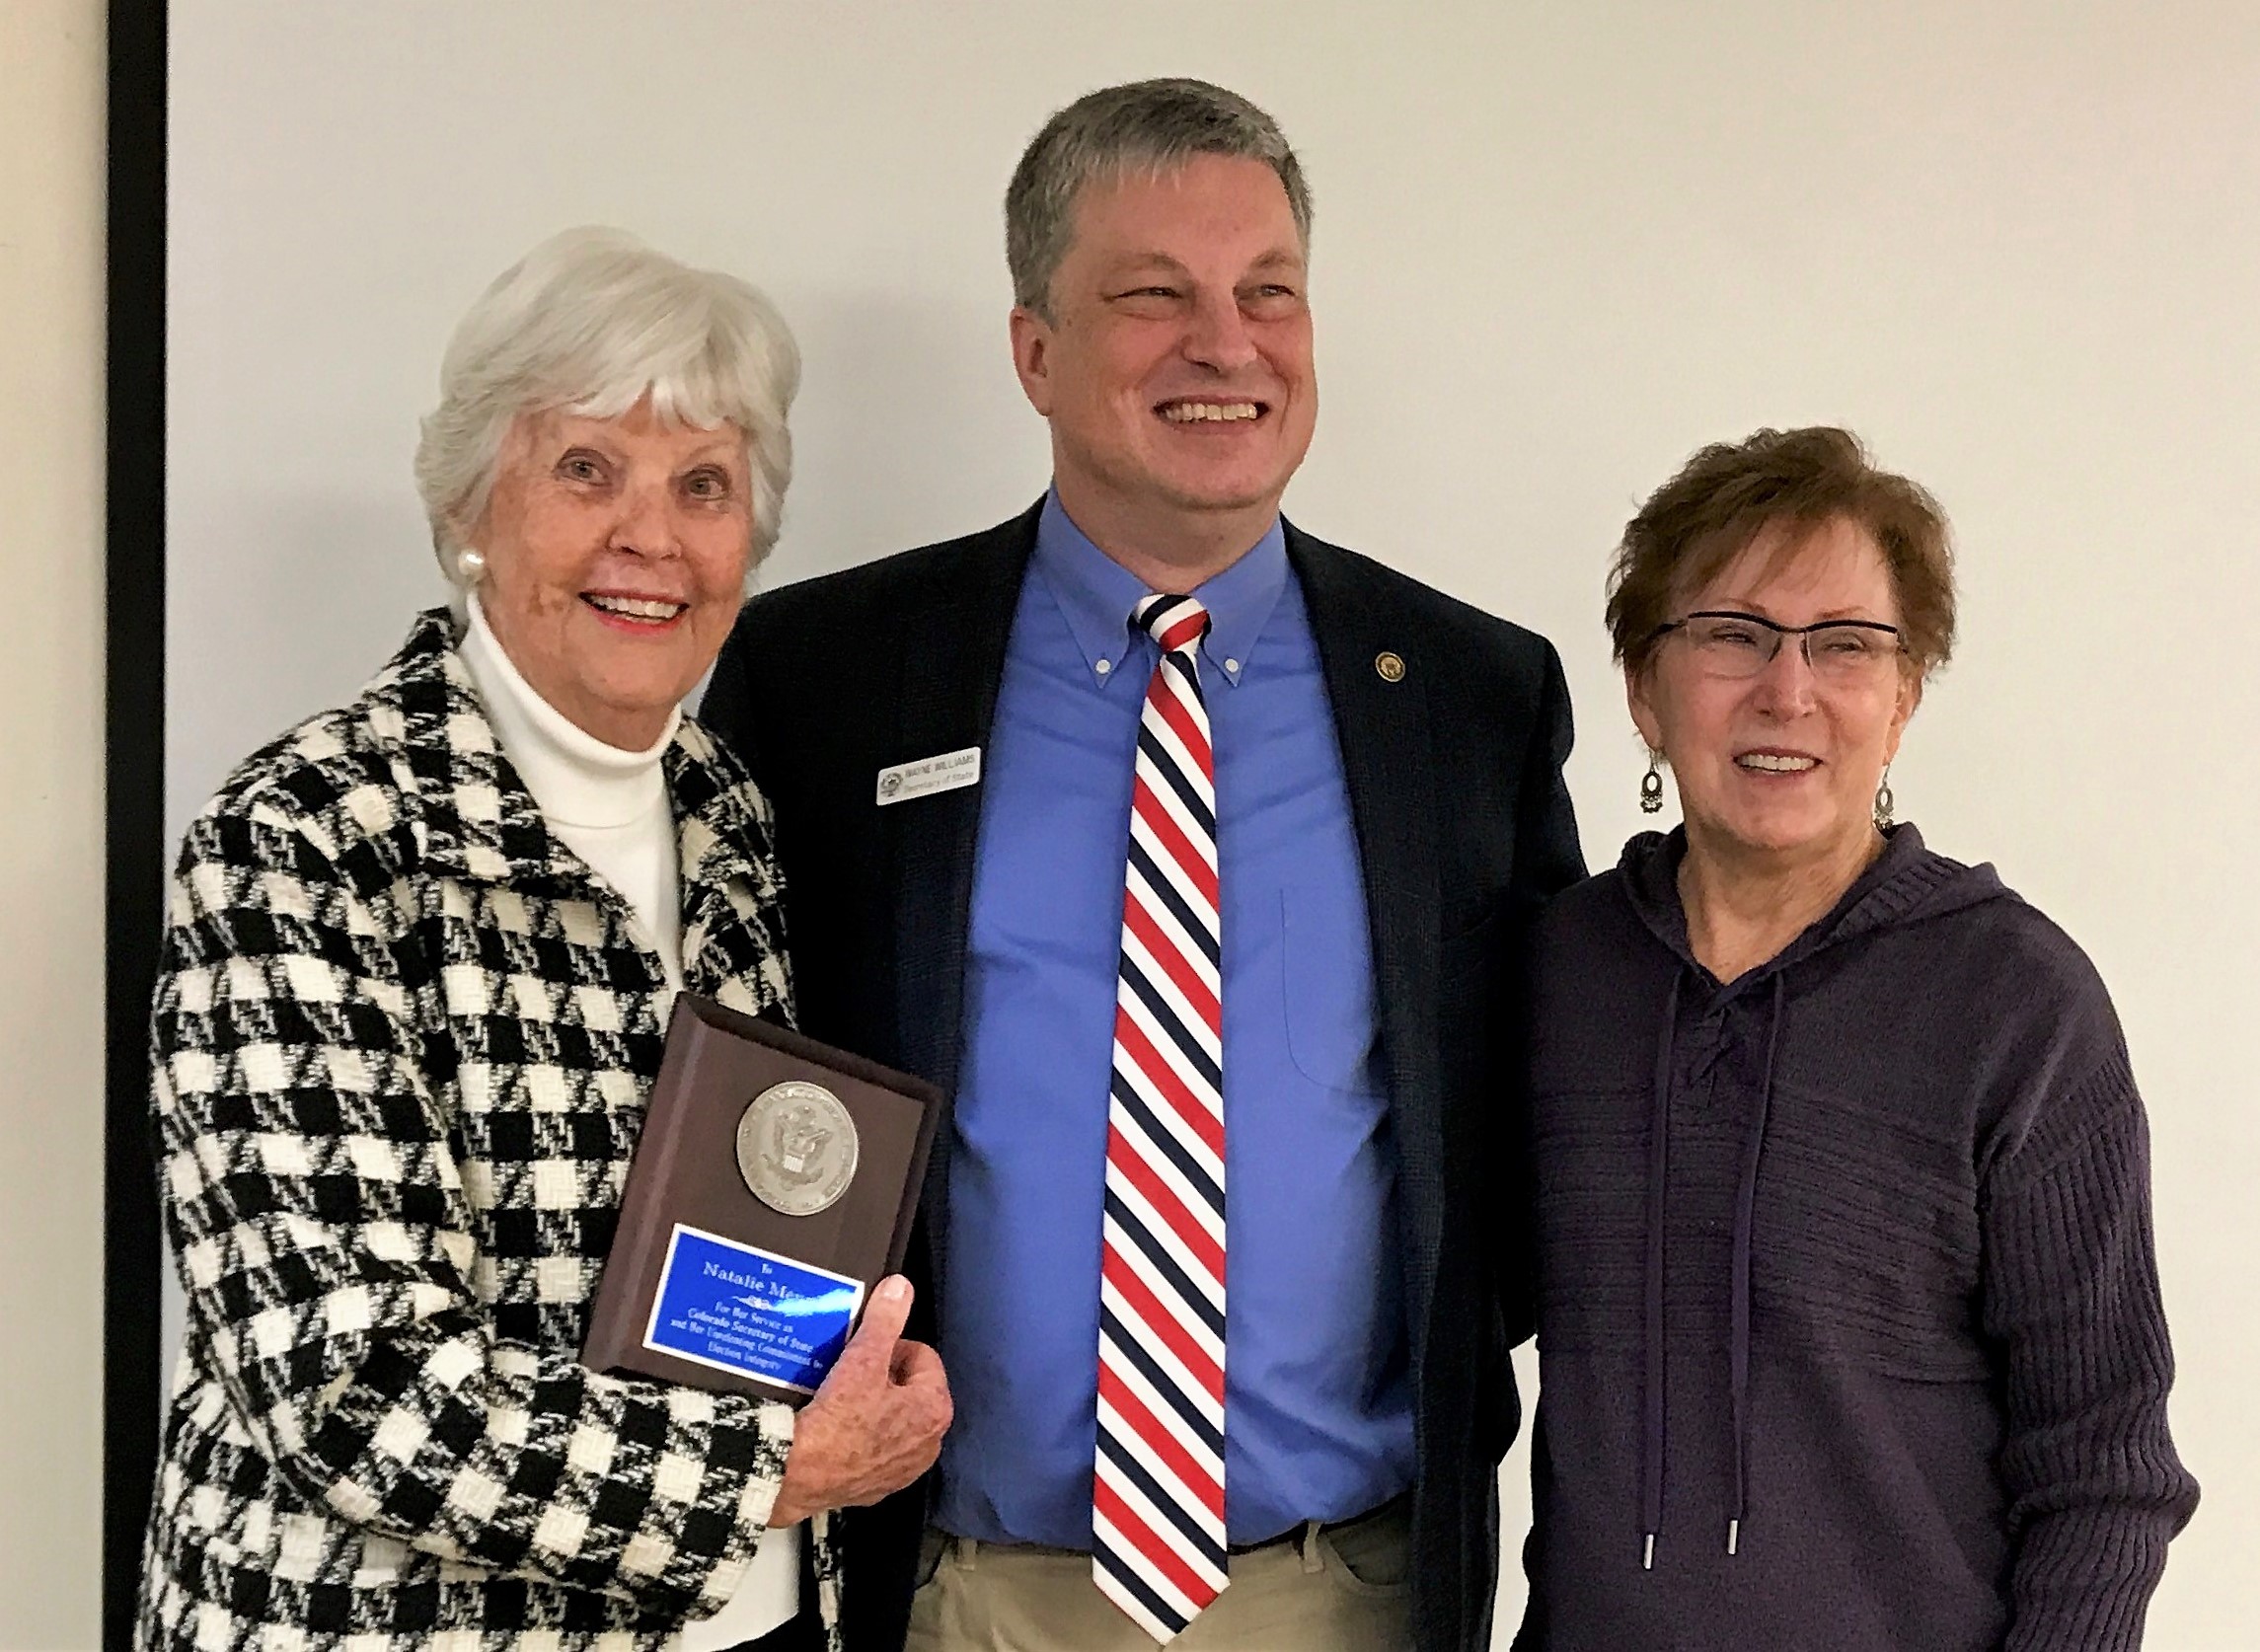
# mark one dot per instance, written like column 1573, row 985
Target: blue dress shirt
column 1317, row 1404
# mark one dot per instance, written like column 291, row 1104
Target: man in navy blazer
column 946, row 737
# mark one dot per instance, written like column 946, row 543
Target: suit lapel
column 952, row 657
column 1376, row 679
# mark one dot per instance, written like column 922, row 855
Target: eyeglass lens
column 1738, row 647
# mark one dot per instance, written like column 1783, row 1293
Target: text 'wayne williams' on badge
column 929, row 774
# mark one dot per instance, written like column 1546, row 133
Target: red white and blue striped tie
column 1157, row 1491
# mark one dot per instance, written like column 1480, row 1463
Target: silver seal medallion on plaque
column 796, row 1147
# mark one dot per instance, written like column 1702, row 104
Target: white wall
column 50, row 822
column 1558, row 245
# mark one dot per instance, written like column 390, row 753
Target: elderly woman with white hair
column 416, row 982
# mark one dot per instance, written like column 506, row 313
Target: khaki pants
column 1319, row 1589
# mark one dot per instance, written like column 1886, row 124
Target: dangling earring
column 1652, row 786
column 1883, row 801
column 469, row 564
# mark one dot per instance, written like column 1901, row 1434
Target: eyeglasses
column 1727, row 643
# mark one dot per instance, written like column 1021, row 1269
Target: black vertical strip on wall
column 134, row 723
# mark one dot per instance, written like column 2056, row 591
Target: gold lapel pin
column 1388, row 667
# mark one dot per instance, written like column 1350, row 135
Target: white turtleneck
column 611, row 808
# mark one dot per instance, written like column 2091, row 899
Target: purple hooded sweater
column 1849, row 1322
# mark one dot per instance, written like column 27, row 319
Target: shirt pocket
column 1326, row 959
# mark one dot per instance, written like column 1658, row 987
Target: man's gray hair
column 591, row 322
column 1148, row 126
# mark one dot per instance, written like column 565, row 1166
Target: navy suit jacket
column 1453, row 753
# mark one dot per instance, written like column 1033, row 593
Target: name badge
column 929, row 774
column 736, row 1308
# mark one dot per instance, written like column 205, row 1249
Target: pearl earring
column 469, row 564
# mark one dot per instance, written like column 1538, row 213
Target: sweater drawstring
column 1652, row 1396
column 1745, row 1218
column 1654, row 1431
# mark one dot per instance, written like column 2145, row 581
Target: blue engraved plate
column 736, row 1308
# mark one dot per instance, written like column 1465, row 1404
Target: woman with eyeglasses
column 1848, row 1323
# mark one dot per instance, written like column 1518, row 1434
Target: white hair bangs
column 593, row 321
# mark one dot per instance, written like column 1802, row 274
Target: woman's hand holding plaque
column 876, row 1421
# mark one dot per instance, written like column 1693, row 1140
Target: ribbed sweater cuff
column 2084, row 1579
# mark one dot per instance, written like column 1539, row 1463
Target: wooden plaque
column 775, row 1183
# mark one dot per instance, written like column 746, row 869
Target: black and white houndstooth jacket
column 402, row 1037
